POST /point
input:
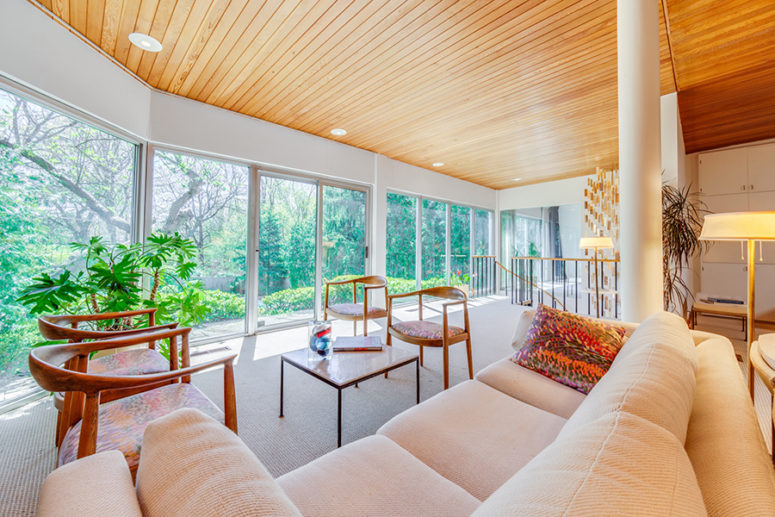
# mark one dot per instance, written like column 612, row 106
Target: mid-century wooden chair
column 125, row 362
column 120, row 424
column 357, row 311
column 427, row 333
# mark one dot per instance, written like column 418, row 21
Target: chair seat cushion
column 767, row 349
column 123, row 421
column 474, row 435
column 374, row 476
column 354, row 309
column 139, row 361
column 425, row 329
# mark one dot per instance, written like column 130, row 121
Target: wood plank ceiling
column 496, row 90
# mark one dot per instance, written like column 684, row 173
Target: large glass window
column 482, row 231
column 61, row 181
column 434, row 243
column 401, row 243
column 207, row 201
column 287, row 231
column 460, row 245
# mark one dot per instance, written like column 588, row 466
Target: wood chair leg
column 365, row 326
column 355, row 327
column 470, row 359
column 421, row 355
column 446, row 366
column 59, row 423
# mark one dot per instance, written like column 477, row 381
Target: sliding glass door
column 303, row 223
column 287, row 229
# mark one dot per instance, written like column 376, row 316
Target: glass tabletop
column 345, row 367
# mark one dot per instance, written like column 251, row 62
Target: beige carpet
column 309, row 427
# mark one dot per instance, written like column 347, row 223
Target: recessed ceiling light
column 338, row 132
column 516, row 179
column 145, row 42
column 438, row 164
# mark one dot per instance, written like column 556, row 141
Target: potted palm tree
column 682, row 214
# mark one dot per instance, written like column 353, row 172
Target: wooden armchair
column 427, row 333
column 357, row 311
column 121, row 423
column 135, row 361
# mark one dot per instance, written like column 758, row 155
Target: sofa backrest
column 618, row 464
column 653, row 377
column 724, row 443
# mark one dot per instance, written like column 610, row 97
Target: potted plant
column 118, row 277
column 682, row 216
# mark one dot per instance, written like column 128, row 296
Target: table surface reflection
column 345, row 367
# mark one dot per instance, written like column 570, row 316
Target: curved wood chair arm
column 59, row 354
column 375, row 286
column 404, row 295
column 65, row 326
column 56, row 378
column 341, row 282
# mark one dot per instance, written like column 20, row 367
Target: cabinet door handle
column 750, row 187
column 742, row 187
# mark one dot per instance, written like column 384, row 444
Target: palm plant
column 682, row 216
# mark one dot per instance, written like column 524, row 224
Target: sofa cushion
column 194, row 466
column 619, row 464
column 374, row 476
column 653, row 377
column 93, row 486
column 568, row 348
column 474, row 435
column 531, row 387
column 724, row 442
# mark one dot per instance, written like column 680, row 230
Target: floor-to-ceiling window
column 206, row 201
column 401, row 243
column 303, row 221
column 287, row 232
column 434, row 243
column 61, row 181
column 460, row 245
column 449, row 235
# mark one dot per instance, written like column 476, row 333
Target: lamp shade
column 596, row 242
column 739, row 226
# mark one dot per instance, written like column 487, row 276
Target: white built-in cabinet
column 739, row 180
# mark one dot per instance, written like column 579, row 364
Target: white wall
column 61, row 65
column 43, row 55
column 551, row 193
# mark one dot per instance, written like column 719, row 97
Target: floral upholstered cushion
column 568, row 348
column 130, row 362
column 123, row 421
column 425, row 329
column 353, row 309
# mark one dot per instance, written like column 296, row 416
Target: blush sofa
column 668, row 430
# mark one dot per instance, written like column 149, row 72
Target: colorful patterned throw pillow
column 568, row 348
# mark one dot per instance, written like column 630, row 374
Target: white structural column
column 639, row 158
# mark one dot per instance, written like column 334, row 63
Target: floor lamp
column 596, row 243
column 749, row 227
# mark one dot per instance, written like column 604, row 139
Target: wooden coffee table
column 345, row 369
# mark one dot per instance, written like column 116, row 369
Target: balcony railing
column 483, row 275
column 565, row 283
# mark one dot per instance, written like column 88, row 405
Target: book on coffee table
column 358, row 344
